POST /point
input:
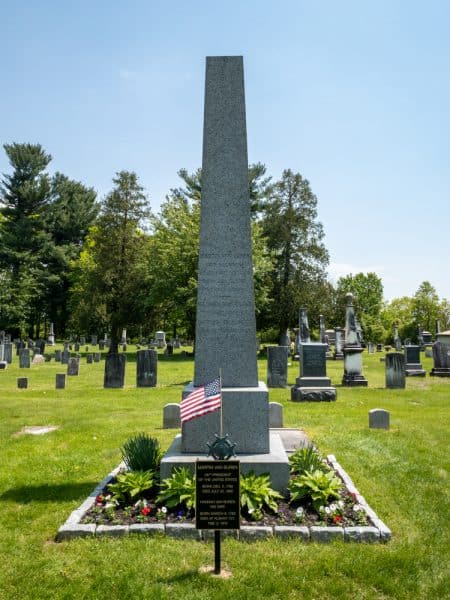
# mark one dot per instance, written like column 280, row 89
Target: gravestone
column 97, row 357
column 51, row 336
column 322, row 334
column 313, row 385
column 352, row 349
column 395, row 370
column 169, row 350
column 160, row 338
column 378, row 418
column 77, row 347
column 8, row 352
column 303, row 325
column 225, row 338
column 114, row 370
column 73, row 367
column 413, row 368
column 123, row 339
column 171, row 416
column 146, row 368
column 427, row 338
column 89, row 359
column 94, row 340
column 397, row 341
column 24, row 358
column 371, row 348
column 177, row 342
column 438, row 326
column 48, row 357
column 38, row 359
column 22, row 383
column 60, row 381
column 441, row 360
column 65, row 356
column 338, row 353
column 277, row 366
column 57, row 355
column 275, row 415
column 429, row 351
column 285, row 339
column 380, row 347
column 101, row 345
column 82, row 340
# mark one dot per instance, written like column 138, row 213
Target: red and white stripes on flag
column 203, row 400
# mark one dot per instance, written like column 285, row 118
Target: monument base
column 414, row 370
column 313, row 394
column 338, row 356
column 275, row 463
column 352, row 380
column 245, row 417
column 440, row 372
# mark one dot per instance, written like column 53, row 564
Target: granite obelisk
column 225, row 337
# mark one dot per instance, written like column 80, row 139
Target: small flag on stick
column 203, row 400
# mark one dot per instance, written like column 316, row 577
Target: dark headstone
column 395, row 370
column 277, row 359
column 22, row 383
column 24, row 359
column 7, row 354
column 313, row 383
column 441, row 360
column 338, row 344
column 57, row 355
column 101, row 345
column 146, row 368
column 94, row 340
column 114, row 370
column 97, row 357
column 60, row 381
column 65, row 356
column 352, row 349
column 89, row 358
column 412, row 360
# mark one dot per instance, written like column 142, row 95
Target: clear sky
column 353, row 94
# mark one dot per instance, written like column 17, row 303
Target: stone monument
column 397, row 340
column 395, row 370
column 338, row 354
column 441, row 360
column 305, row 337
column 225, row 339
column 51, row 336
column 146, row 368
column 413, row 367
column 313, row 383
column 352, row 349
column 277, row 363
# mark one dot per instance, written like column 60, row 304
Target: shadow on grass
column 60, row 492
column 185, row 576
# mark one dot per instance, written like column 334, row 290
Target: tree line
column 94, row 266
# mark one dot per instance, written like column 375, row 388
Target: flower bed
column 348, row 517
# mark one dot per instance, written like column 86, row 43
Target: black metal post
column 217, row 552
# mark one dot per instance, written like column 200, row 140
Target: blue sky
column 354, row 95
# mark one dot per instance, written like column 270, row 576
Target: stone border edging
column 377, row 532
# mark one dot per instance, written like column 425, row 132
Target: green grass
column 403, row 474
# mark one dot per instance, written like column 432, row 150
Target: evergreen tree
column 294, row 240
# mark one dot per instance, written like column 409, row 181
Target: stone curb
column 376, row 532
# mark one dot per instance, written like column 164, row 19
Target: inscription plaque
column 217, row 504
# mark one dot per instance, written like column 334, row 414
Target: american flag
column 203, row 400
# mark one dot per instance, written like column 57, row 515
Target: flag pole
column 221, row 412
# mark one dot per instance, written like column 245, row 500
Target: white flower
column 357, row 507
column 333, row 507
column 299, row 511
column 341, row 504
column 164, row 509
column 109, row 504
column 327, row 510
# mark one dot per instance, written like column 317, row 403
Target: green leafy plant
column 256, row 493
column 318, row 486
column 142, row 453
column 178, row 489
column 306, row 459
column 130, row 486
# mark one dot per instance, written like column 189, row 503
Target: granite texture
column 245, row 418
column 225, row 328
column 275, row 414
column 277, row 366
column 114, row 370
column 146, row 368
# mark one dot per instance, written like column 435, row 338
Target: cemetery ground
column 402, row 473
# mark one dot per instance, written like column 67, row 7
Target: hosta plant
column 130, row 486
column 178, row 489
column 318, row 486
column 256, row 494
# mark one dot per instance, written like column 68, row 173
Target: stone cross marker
column 226, row 328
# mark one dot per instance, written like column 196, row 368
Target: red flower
column 146, row 511
column 337, row 519
column 99, row 499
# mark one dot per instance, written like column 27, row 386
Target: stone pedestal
column 245, row 418
column 353, row 367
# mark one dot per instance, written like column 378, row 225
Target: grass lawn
column 402, row 473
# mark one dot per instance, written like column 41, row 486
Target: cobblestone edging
column 377, row 532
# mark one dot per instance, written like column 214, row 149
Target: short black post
column 217, row 552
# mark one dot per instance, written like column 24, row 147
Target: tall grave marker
column 225, row 327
